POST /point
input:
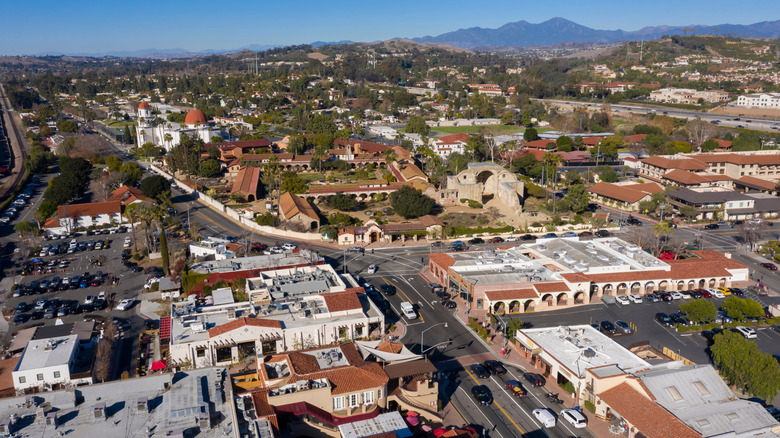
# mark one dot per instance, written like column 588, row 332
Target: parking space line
column 495, row 402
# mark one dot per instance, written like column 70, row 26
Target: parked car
column 496, row 239
column 608, row 327
column 534, row 379
column 770, row 266
column 125, row 304
column 575, row 418
column 664, row 319
column 653, row 298
column 480, row 371
column 635, row 298
column 602, row 233
column 482, row 394
column 678, row 318
column 676, row 295
column 622, row 299
column 387, row 289
column 495, row 367
column 623, row 327
column 515, row 388
column 569, row 234
column 476, row 241
column 747, row 332
column 550, row 236
column 711, row 227
column 527, row 237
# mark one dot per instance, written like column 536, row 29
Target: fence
column 675, row 356
column 244, row 220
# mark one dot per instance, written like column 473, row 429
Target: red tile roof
column 551, row 287
column 242, row 322
column 390, row 347
column 341, row 301
column 629, row 193
column 453, row 139
column 430, row 220
column 247, row 181
column 510, row 294
column 764, row 184
column 441, row 259
column 592, row 141
column 636, row 138
column 645, row 414
column 676, row 163
column 92, row 209
column 127, row 195
column 259, row 143
column 293, row 205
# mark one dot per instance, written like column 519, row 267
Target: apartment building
column 759, row 100
column 688, row 96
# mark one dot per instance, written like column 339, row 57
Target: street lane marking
column 419, row 314
column 495, row 402
column 469, row 396
column 514, row 398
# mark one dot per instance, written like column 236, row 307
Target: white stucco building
column 759, row 100
column 211, row 248
column 47, row 363
column 154, row 130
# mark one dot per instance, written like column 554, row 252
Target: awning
column 159, row 365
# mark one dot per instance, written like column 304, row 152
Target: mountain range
column 560, row 30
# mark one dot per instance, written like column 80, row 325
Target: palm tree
column 319, row 153
column 168, row 138
column 132, row 215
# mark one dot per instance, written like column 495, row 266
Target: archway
column 722, row 282
column 547, row 299
column 563, row 299
column 636, row 287
column 529, row 306
column 514, row 307
column 579, row 297
column 313, row 226
column 662, row 286
column 250, row 198
column 608, row 290
column 649, row 287
column 680, row 285
column 594, row 292
column 499, row 308
column 702, row 284
column 373, row 236
column 691, row 285
column 712, row 282
column 621, row 289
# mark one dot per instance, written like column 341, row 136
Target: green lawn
column 120, row 124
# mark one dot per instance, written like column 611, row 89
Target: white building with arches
column 562, row 272
column 161, row 132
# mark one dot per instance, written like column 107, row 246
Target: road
column 757, row 123
column 15, row 149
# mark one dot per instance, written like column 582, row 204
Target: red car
column 515, row 388
column 770, row 266
column 705, row 293
column 496, row 240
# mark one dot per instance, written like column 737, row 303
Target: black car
column 21, row 318
column 494, row 366
column 608, row 327
column 450, row 304
column 602, row 233
column 476, row 241
column 534, row 379
column 527, row 237
column 665, row 296
column 735, row 223
column 664, row 319
column 711, row 227
column 634, row 221
column 388, row 289
column 708, row 335
column 680, row 319
column 36, row 315
column 22, row 307
column 480, row 371
column 482, row 394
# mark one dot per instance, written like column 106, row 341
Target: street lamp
column 422, row 335
column 662, row 208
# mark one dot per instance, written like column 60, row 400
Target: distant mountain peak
column 559, row 30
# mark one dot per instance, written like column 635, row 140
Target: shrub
column 568, row 387
column 536, row 224
column 590, row 406
column 474, row 204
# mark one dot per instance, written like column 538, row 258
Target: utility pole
column 641, row 46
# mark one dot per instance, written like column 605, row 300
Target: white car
column 635, row 298
column 89, row 300
column 746, row 331
column 716, row 293
column 511, row 239
column 545, row 416
column 276, row 250
column 575, row 418
column 102, row 295
column 289, row 246
column 622, row 299
column 676, row 295
column 124, row 304
column 99, row 245
column 372, row 269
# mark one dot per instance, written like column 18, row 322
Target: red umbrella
column 471, row 429
column 413, row 421
column 412, row 414
column 439, row 432
column 159, row 365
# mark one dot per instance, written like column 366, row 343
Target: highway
column 726, row 120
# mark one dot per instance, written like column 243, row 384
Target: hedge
column 465, row 231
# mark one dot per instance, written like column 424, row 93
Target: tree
column 296, row 145
column 128, row 137
column 155, row 185
column 293, row 183
column 699, row 310
column 739, row 308
column 342, row 202
column 709, row 145
column 114, row 163
column 572, row 177
column 166, row 257
column 689, row 211
column 67, row 126
column 699, row 131
column 607, row 149
column 410, row 203
column 577, row 198
column 742, row 363
column 133, row 172
column 564, row 143
column 530, row 134
column 210, row 168
column 26, row 229
column 417, row 125
column 606, row 173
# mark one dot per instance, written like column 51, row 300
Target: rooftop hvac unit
column 334, row 355
column 541, row 247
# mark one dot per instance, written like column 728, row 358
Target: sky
column 91, row 26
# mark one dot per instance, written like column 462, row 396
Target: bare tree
column 637, row 149
column 104, row 354
column 751, row 233
column 699, row 131
column 103, row 186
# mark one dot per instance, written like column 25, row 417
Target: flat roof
column 580, row 347
column 173, row 402
column 270, row 261
column 390, row 422
column 45, row 353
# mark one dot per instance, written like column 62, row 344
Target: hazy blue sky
column 37, row 26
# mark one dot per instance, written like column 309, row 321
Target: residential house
column 448, row 144
column 211, row 248
column 429, row 227
column 127, row 195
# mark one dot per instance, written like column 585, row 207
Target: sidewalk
column 519, row 359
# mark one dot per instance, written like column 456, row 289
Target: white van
column 408, row 310
column 545, row 417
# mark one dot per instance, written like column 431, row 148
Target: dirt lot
column 751, row 112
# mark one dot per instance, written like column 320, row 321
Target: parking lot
column 642, row 317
